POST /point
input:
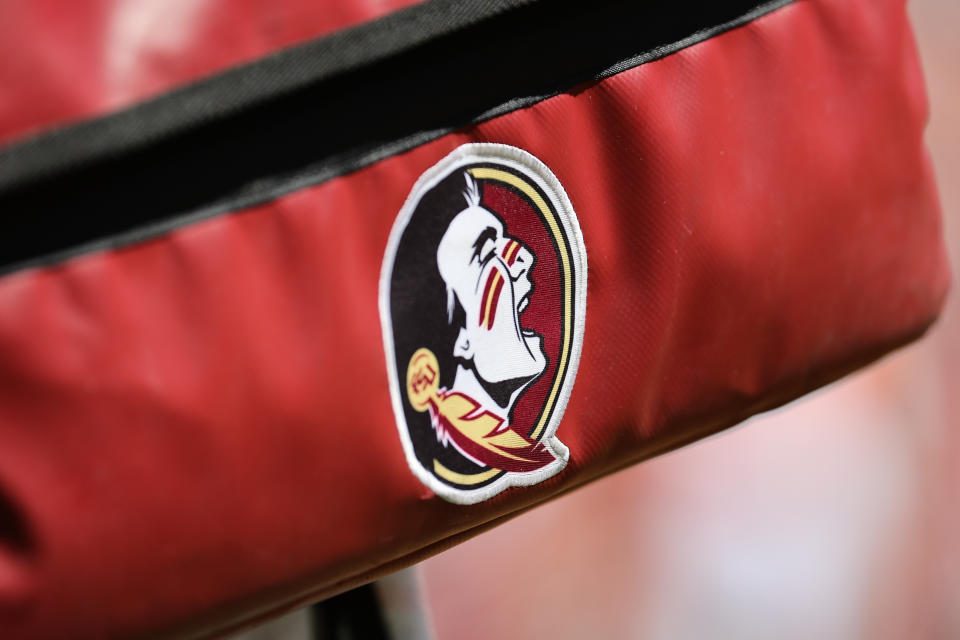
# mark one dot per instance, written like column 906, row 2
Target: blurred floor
column 835, row 517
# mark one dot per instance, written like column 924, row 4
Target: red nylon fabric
column 197, row 430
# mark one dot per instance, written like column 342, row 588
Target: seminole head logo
column 482, row 300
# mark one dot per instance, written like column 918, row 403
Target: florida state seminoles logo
column 482, row 300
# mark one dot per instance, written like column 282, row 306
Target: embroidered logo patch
column 482, row 301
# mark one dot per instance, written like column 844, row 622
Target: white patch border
column 538, row 173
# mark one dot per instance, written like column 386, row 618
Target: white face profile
column 489, row 273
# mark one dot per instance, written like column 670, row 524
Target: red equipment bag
column 305, row 321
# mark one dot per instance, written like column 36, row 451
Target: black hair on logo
column 418, row 308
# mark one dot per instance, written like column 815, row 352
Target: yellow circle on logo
column 423, row 378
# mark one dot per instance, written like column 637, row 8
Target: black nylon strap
column 320, row 110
